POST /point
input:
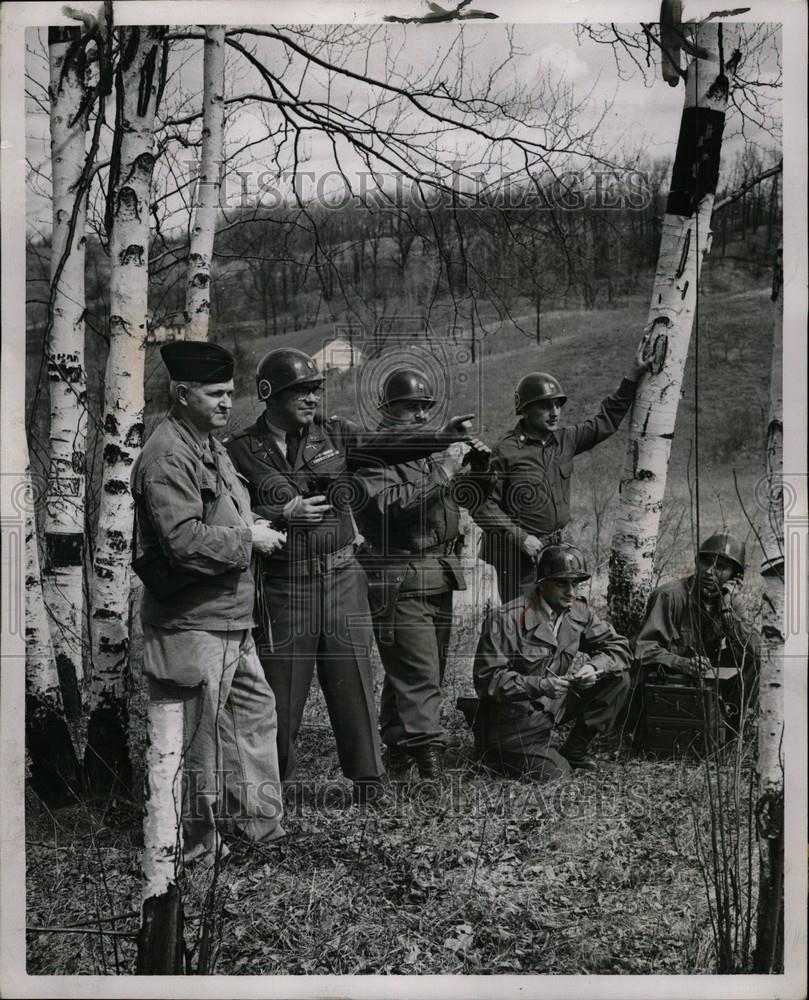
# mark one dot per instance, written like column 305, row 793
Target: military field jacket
column 518, row 648
column 411, row 524
column 678, row 627
column 531, row 495
column 329, row 451
column 191, row 505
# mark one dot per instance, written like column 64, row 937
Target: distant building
column 338, row 355
column 163, row 329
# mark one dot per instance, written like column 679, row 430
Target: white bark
column 770, row 761
column 64, row 502
column 138, row 89
column 197, row 293
column 41, row 677
column 685, row 240
column 771, row 704
column 162, row 828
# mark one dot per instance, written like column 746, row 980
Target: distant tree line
column 580, row 242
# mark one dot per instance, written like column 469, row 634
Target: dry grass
column 470, row 874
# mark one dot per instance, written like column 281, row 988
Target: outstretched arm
column 616, row 406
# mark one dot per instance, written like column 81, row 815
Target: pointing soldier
column 530, row 505
column 313, row 592
column 194, row 541
column 410, row 520
column 525, row 678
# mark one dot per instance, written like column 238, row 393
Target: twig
column 102, row 920
column 362, row 837
column 77, row 930
column 477, row 856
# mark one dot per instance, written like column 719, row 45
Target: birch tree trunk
column 54, row 770
column 769, row 952
column 198, row 282
column 139, row 81
column 684, row 241
column 62, row 582
column 160, row 941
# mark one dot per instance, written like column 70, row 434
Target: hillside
column 589, row 351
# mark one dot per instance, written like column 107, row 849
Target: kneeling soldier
column 524, row 676
column 411, row 521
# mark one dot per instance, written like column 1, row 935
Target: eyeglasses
column 307, row 388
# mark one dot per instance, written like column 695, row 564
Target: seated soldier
column 526, row 679
column 694, row 627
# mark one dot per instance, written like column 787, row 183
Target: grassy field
column 469, row 874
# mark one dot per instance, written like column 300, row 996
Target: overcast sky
column 640, row 114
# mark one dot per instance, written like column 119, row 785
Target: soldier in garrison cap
column 694, row 629
column 195, row 536
column 526, row 680
column 530, row 505
column 313, row 594
column 411, row 524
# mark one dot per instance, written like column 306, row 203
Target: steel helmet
column 727, row 545
column 563, row 562
column 283, row 368
column 535, row 386
column 406, row 383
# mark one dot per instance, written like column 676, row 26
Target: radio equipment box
column 683, row 718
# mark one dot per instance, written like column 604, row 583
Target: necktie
column 293, row 441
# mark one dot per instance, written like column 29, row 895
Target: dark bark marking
column 683, row 255
column 69, row 685
column 63, row 550
column 696, row 162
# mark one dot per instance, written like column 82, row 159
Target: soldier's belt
column 443, row 549
column 325, row 563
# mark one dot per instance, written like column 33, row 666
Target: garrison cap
column 197, row 361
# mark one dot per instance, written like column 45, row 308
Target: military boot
column 575, row 749
column 397, row 761
column 428, row 762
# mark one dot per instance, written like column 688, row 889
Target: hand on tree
column 532, row 546
column 266, row 540
column 306, row 510
column 641, row 364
